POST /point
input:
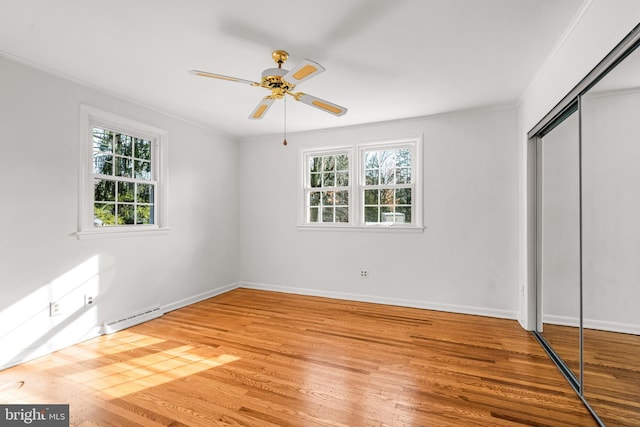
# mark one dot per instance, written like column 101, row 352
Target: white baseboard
column 602, row 325
column 199, row 297
column 427, row 305
column 561, row 320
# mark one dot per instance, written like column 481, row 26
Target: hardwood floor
column 256, row 358
column 611, row 370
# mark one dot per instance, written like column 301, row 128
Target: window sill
column 363, row 228
column 120, row 232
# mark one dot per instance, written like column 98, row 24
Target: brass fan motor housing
column 272, row 78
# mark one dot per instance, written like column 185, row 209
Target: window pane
column 371, row 160
column 327, row 214
column 371, row 177
column 342, row 179
column 342, row 214
column 126, row 214
column 403, row 196
column 315, row 164
column 327, row 198
column 104, row 214
column 145, row 193
column 387, row 175
column 123, row 167
column 342, row 162
column 103, row 164
column 142, row 169
column 104, row 190
column 328, row 163
column 144, row 214
column 386, row 197
column 102, row 141
column 371, row 214
column 142, row 149
column 403, row 176
column 152, row 214
column 371, row 197
column 313, row 215
column 342, row 198
column 315, row 180
column 328, row 179
column 393, row 217
column 403, row 157
column 314, row 198
column 126, row 191
column 406, row 210
column 124, row 145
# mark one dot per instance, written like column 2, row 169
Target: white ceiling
column 385, row 59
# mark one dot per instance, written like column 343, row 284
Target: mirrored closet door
column 588, row 236
column 559, row 240
column 611, row 242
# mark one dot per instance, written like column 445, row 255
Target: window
column 327, row 189
column 379, row 188
column 124, row 179
column 387, row 185
column 121, row 183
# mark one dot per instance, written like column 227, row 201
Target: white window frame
column 91, row 117
column 308, row 189
column 356, row 186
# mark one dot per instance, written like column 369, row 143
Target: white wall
column 600, row 26
column 466, row 259
column 40, row 257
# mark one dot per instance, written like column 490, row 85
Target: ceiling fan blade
column 321, row 104
column 221, row 77
column 303, row 71
column 261, row 109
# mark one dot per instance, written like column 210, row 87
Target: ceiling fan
column 281, row 82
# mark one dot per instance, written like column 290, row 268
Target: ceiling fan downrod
column 280, row 57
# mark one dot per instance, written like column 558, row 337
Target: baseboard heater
column 132, row 319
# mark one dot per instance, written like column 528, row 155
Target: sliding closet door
column 611, row 242
column 559, row 240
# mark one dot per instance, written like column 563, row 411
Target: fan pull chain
column 285, row 121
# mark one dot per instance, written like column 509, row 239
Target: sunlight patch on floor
column 135, row 374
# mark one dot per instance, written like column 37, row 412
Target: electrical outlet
column 54, row 308
column 364, row 273
column 88, row 300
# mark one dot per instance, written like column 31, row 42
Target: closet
column 588, row 235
